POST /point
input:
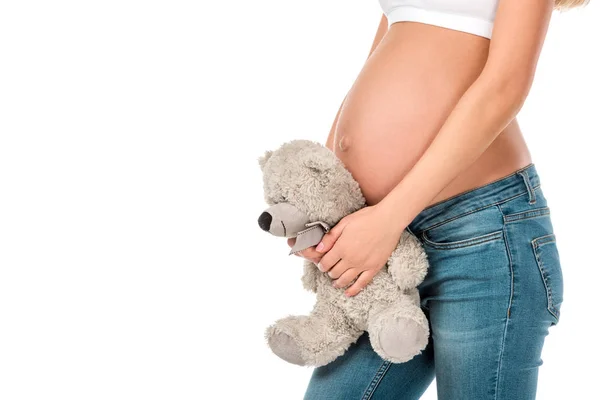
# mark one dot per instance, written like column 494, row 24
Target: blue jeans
column 493, row 289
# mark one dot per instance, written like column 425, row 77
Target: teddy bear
column 308, row 190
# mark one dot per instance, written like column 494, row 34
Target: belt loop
column 529, row 186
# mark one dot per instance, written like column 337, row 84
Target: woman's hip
column 493, row 289
column 494, row 240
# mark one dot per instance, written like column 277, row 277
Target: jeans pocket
column 458, row 244
column 466, row 230
column 548, row 261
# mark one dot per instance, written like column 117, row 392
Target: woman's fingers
column 346, row 278
column 361, row 282
column 338, row 269
column 329, row 259
column 330, row 238
column 341, row 272
column 310, row 253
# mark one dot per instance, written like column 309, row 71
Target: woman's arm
column 358, row 246
column 484, row 110
column 381, row 30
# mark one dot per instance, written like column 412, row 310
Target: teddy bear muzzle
column 283, row 219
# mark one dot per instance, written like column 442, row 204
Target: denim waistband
column 520, row 182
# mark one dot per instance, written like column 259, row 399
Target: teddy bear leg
column 399, row 331
column 313, row 340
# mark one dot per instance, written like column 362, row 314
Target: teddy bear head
column 305, row 182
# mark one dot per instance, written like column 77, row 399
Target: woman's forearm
column 485, row 109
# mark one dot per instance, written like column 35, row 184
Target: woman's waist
column 520, row 183
column 507, row 154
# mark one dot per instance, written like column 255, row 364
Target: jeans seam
column 500, row 356
column 512, row 278
column 537, row 243
column 460, row 244
column 481, row 187
column 478, row 209
column 538, row 212
column 542, row 240
column 376, row 380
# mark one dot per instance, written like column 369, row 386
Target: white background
column 131, row 264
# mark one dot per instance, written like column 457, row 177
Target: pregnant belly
column 400, row 100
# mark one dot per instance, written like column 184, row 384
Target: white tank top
column 472, row 16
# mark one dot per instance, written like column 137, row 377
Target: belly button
column 343, row 143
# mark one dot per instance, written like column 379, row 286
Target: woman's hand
column 310, row 253
column 358, row 246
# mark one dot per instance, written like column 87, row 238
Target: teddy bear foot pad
column 308, row 340
column 396, row 336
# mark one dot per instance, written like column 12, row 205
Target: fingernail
column 320, row 247
column 319, row 266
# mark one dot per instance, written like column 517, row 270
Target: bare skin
column 425, row 120
column 398, row 103
column 400, row 100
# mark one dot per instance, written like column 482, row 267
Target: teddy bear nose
column 264, row 221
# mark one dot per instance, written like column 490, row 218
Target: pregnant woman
column 428, row 130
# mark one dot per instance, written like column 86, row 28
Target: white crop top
column 472, row 16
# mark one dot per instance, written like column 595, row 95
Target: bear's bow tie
column 310, row 236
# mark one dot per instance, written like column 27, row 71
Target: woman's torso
column 400, row 100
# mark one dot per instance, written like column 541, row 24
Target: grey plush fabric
column 308, row 190
column 309, row 236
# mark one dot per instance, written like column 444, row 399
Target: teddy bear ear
column 262, row 160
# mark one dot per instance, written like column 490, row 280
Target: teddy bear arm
column 408, row 263
column 310, row 276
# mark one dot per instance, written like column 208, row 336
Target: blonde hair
column 566, row 4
